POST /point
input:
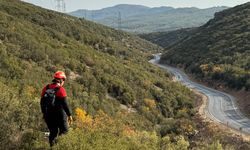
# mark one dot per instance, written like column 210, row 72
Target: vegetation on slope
column 105, row 68
column 168, row 39
column 219, row 50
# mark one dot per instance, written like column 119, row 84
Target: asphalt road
column 221, row 107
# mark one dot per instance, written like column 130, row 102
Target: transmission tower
column 60, row 6
column 85, row 14
column 92, row 15
column 119, row 21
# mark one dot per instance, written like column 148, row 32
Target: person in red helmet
column 54, row 106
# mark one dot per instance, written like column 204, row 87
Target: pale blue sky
column 72, row 5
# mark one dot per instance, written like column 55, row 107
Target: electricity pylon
column 60, row 6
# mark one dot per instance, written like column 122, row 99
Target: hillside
column 141, row 19
column 218, row 50
column 168, row 39
column 118, row 99
column 106, row 68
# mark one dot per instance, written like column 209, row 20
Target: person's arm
column 41, row 102
column 67, row 110
column 63, row 95
column 65, row 106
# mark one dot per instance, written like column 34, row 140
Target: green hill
column 168, row 39
column 119, row 100
column 142, row 19
column 218, row 50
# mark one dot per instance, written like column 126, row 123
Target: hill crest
column 142, row 19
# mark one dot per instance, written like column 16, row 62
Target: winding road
column 221, row 107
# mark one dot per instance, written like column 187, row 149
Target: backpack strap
column 55, row 89
column 47, row 87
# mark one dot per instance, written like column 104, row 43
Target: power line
column 52, row 5
column 84, row 14
column 60, row 6
column 92, row 15
column 119, row 21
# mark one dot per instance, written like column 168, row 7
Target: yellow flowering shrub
column 82, row 118
column 150, row 103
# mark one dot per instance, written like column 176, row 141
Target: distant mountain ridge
column 142, row 19
column 125, row 9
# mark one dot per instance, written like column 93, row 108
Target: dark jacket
column 61, row 109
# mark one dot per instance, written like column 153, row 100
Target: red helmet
column 60, row 75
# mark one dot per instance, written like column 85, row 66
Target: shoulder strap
column 47, row 87
column 57, row 89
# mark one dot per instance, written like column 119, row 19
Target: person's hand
column 70, row 120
